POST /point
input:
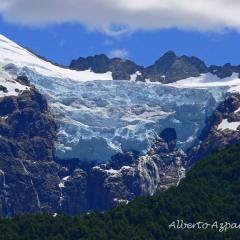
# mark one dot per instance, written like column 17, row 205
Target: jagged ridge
column 167, row 69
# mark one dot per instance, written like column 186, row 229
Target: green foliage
column 209, row 193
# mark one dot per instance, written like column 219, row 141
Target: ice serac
column 98, row 119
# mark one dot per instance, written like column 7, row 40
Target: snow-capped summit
column 99, row 117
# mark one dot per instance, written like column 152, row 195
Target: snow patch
column 134, row 76
column 9, row 86
column 61, row 185
column 236, row 111
column 225, row 124
column 62, row 182
column 208, row 80
column 65, row 178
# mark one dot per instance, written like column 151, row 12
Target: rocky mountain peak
column 167, row 58
column 121, row 69
column 171, row 68
column 98, row 63
column 168, row 68
column 225, row 71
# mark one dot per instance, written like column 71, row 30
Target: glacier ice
column 98, row 119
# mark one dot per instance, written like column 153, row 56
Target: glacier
column 98, row 117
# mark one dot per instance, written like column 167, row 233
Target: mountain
column 96, row 142
column 121, row 69
column 167, row 69
column 209, row 194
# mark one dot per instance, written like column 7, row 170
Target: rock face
column 225, row 71
column 28, row 176
column 168, row 68
column 107, row 185
column 221, row 129
column 121, row 69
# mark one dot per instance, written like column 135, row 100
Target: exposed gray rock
column 171, row 68
column 168, row 68
column 225, row 71
column 121, row 69
column 28, row 174
column 3, row 89
column 108, row 185
column 74, row 199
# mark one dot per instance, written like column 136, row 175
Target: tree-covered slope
column 209, row 193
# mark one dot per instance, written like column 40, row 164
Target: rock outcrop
column 225, row 71
column 124, row 178
column 121, row 69
column 171, row 68
column 168, row 68
column 28, row 174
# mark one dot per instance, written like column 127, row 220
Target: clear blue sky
column 63, row 42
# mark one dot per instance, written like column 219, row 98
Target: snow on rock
column 208, row 80
column 134, row 76
column 61, row 185
column 121, row 201
column 9, row 86
column 237, row 111
column 62, row 182
column 225, row 124
column 66, row 178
